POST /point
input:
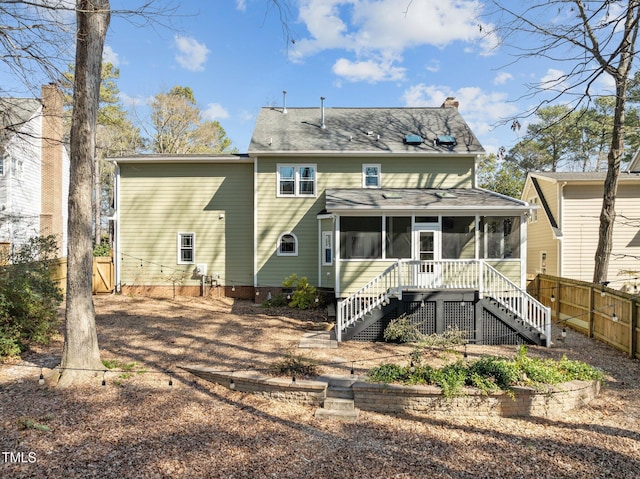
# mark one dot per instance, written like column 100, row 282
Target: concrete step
column 340, row 392
column 339, row 404
column 336, row 414
column 337, row 380
column 318, row 340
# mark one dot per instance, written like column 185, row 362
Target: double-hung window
column 296, row 180
column 371, row 176
column 186, row 248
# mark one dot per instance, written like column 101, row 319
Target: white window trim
column 323, row 250
column 296, row 183
column 295, row 243
column 534, row 201
column 364, row 175
column 179, row 236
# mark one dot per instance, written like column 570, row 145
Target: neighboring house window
column 360, row 237
column 500, row 237
column 296, row 180
column 17, row 167
column 186, row 248
column 288, row 245
column 534, row 212
column 371, row 176
column 327, row 248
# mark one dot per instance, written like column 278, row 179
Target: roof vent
column 446, row 140
column 445, row 194
column 412, row 139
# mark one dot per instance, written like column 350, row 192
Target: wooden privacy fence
column 602, row 313
column 103, row 281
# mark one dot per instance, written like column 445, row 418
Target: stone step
column 342, row 392
column 318, row 340
column 339, row 404
column 336, row 414
column 344, row 381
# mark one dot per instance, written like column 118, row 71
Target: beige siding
column 355, row 274
column 299, row 215
column 582, row 207
column 540, row 237
column 509, row 268
column 214, row 201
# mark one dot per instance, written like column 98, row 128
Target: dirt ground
column 138, row 426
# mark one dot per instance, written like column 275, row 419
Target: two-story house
column 34, row 169
column 378, row 206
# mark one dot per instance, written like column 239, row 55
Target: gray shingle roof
column 586, row 176
column 428, row 199
column 361, row 130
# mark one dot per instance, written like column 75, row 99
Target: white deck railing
column 450, row 274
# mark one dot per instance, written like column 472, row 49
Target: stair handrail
column 367, row 298
column 516, row 300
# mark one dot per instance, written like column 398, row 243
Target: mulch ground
column 138, row 426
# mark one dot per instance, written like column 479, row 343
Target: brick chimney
column 51, row 214
column 450, row 102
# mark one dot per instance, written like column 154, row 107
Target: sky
column 239, row 55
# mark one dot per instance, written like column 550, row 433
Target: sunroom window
column 500, row 237
column 360, row 237
column 458, row 237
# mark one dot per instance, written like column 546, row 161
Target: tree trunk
column 81, row 355
column 608, row 212
column 97, row 207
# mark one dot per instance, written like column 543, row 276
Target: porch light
column 553, row 296
column 614, row 317
column 233, row 287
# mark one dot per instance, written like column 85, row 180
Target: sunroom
column 387, row 244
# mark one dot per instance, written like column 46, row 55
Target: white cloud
column 192, row 54
column 553, row 80
column 368, row 70
column 135, row 101
column 215, row 111
column 433, row 66
column 365, row 26
column 109, row 56
column 241, row 5
column 502, row 78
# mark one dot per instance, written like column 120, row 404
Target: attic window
column 412, row 139
column 445, row 140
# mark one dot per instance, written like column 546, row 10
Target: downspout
column 255, row 223
column 117, row 262
column 559, row 247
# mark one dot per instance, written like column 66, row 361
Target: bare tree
column 596, row 38
column 81, row 353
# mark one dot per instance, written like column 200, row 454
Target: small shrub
column 304, row 295
column 275, row 302
column 402, row 330
column 489, row 374
column 103, row 249
column 28, row 296
column 295, row 365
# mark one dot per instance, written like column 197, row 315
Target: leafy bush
column 488, row 374
column 304, row 295
column 28, row 297
column 275, row 302
column 102, row 249
column 402, row 330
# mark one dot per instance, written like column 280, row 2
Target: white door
column 427, row 251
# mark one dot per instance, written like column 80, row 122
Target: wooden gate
column 102, row 275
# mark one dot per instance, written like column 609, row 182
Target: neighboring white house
column 34, row 169
column 563, row 232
